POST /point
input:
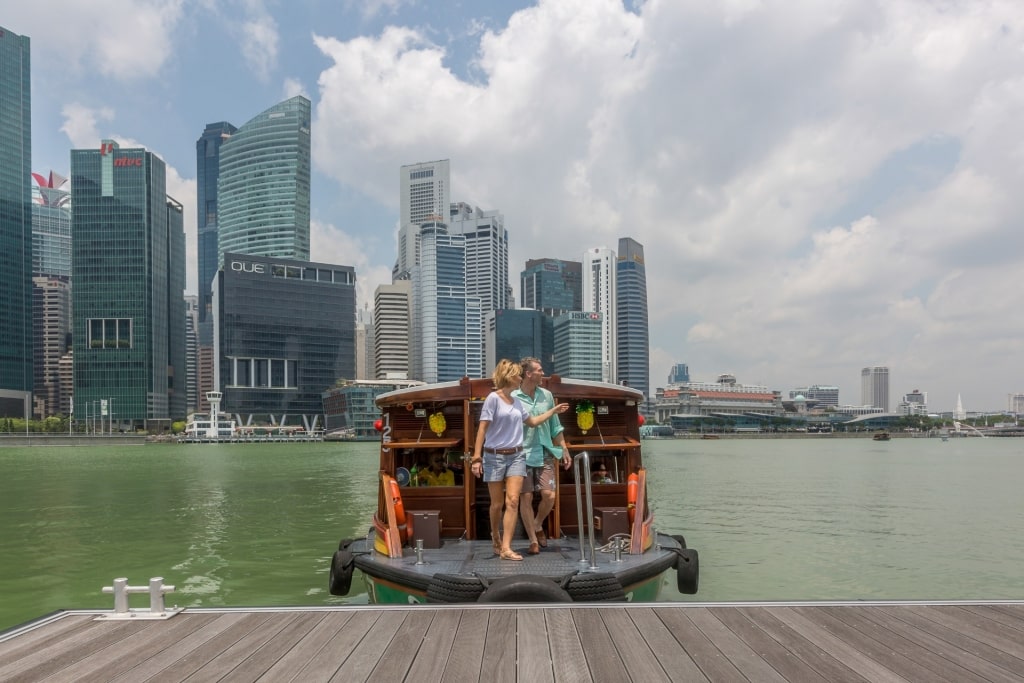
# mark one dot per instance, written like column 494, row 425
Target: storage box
column 610, row 521
column 426, row 525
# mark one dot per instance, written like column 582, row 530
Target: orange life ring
column 404, row 527
column 632, row 490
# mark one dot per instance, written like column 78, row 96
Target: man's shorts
column 499, row 467
column 541, row 478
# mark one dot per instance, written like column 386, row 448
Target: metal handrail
column 585, row 457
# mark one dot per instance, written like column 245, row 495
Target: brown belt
column 502, row 451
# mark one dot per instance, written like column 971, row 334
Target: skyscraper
column 679, row 373
column 874, row 387
column 392, row 317
column 578, row 346
column 552, row 286
column 599, row 291
column 424, row 196
column 16, row 373
column 632, row 336
column 207, row 176
column 128, row 258
column 51, row 226
column 51, row 311
column 262, row 205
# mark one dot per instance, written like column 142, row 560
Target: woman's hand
column 477, row 468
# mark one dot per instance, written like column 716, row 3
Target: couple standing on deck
column 514, row 441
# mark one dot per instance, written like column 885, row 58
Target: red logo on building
column 127, row 161
column 106, row 148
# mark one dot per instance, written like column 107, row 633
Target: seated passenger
column 438, row 474
column 600, row 474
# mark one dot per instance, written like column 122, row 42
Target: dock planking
column 963, row 641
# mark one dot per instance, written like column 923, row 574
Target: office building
column 192, row 352
column 128, row 260
column 262, row 205
column 350, row 410
column 914, row 403
column 599, row 291
column 51, row 311
column 207, row 178
column 447, row 323
column 424, row 196
column 820, row 395
column 552, row 286
column 518, row 334
column 392, row 340
column 577, row 346
column 16, row 351
column 632, row 335
column 51, row 226
column 874, row 387
column 679, row 373
column 1015, row 404
column 284, row 331
column 365, row 367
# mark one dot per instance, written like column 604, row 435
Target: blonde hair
column 506, row 373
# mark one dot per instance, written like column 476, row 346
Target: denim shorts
column 498, row 467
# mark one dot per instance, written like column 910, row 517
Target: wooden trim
column 606, row 445
column 423, row 443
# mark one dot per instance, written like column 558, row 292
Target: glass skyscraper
column 128, row 258
column 51, row 227
column 632, row 335
column 15, row 225
column 262, row 205
column 207, row 175
column 552, row 285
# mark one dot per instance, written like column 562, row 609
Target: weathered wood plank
column 598, row 647
column 979, row 628
column 216, row 668
column 399, row 658
column 437, row 645
column 1010, row 619
column 943, row 649
column 257, row 662
column 333, row 654
column 636, row 655
column 674, row 658
column 738, row 652
column 499, row 663
column 43, row 636
column 788, row 664
column 834, row 646
column 128, row 653
column 58, row 655
column 367, row 652
column 467, row 654
column 567, row 657
column 309, row 648
column 532, row 647
column 827, row 666
column 182, row 660
column 703, row 652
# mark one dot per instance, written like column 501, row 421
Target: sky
column 819, row 185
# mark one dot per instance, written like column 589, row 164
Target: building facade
column 51, row 226
column 350, row 410
column 679, row 373
column 552, row 286
column 874, row 387
column 822, row 395
column 424, row 196
column 577, row 346
column 599, row 291
column 16, row 351
column 392, row 340
column 284, row 331
column 518, row 334
column 632, row 334
column 51, row 312
column 207, row 177
column 262, row 200
column 128, row 259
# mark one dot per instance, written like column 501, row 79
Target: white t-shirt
column 506, row 422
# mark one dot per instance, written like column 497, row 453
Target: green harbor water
column 255, row 525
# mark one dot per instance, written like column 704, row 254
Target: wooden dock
column 960, row 641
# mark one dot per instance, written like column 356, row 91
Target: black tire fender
column 687, row 571
column 524, row 588
column 597, row 587
column 340, row 579
column 449, row 588
column 680, row 540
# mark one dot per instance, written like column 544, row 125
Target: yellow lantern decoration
column 437, row 423
column 584, row 415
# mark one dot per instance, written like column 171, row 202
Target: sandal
column 542, row 538
column 511, row 555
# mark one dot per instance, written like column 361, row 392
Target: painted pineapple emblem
column 437, row 423
column 585, row 416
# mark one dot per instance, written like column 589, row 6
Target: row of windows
column 110, row 333
column 273, row 373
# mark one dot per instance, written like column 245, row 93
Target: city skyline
column 813, row 197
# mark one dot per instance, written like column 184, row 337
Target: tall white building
column 365, row 344
column 392, row 316
column 874, row 387
column 599, row 266
column 425, row 195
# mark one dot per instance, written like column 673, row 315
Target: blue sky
column 819, row 185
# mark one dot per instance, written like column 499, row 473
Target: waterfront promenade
column 653, row 642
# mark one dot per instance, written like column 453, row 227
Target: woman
column 498, row 454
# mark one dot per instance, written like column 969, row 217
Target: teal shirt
column 537, row 440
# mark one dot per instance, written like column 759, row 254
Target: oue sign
column 244, row 267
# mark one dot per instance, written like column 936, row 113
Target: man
column 541, row 456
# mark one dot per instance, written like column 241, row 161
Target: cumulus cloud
column 725, row 137
column 331, row 244
column 259, row 41
column 81, row 124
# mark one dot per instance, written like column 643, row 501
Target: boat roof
column 478, row 389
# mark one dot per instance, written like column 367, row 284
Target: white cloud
column 259, row 43
column 722, row 137
column 330, row 244
column 81, row 124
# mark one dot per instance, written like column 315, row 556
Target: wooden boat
column 432, row 543
column 880, row 436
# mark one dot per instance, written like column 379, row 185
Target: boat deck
column 642, row 642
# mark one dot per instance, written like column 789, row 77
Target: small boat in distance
column 880, row 436
column 431, row 543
